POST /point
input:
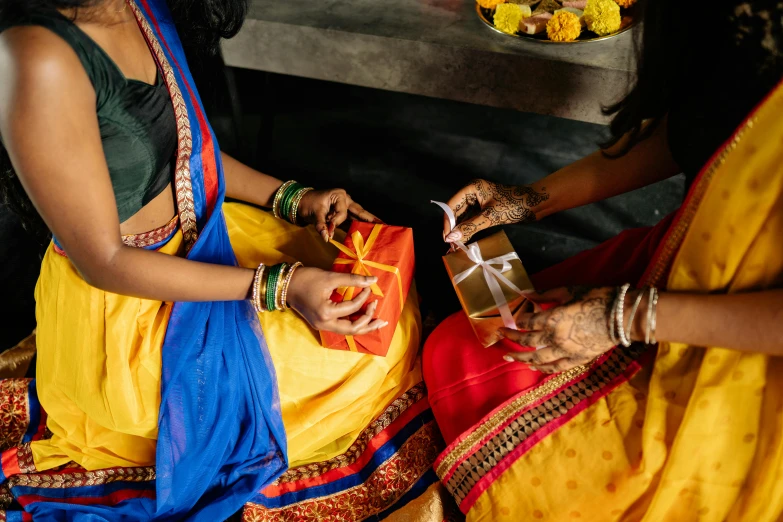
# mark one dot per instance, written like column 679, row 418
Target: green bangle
column 271, row 286
column 278, row 196
column 288, row 197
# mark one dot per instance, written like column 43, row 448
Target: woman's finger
column 339, row 213
column 358, row 212
column 530, row 339
column 322, row 229
column 459, row 205
column 366, row 317
column 347, row 308
column 377, row 324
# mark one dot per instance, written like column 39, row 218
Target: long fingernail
column 508, row 358
column 540, row 347
column 454, row 235
column 325, row 235
column 532, row 369
column 385, row 323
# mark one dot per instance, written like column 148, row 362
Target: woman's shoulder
column 37, row 62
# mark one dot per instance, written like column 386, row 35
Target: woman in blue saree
column 163, row 395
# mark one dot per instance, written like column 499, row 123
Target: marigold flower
column 508, row 16
column 625, row 3
column 490, row 4
column 602, row 16
column 563, row 27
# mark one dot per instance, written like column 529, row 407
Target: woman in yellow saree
column 686, row 429
column 165, row 393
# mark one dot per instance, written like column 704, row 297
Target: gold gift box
column 476, row 297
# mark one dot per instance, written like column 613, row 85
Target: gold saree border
column 182, row 180
column 501, row 434
column 384, row 420
column 157, row 235
column 382, row 489
column 14, row 412
column 658, row 273
column 78, row 477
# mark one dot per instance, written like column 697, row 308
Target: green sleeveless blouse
column 137, row 122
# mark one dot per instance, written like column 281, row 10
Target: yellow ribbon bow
column 357, row 259
column 360, row 266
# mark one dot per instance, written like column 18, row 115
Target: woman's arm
column 577, row 331
column 751, row 322
column 50, row 129
column 593, row 178
column 249, row 185
column 326, row 209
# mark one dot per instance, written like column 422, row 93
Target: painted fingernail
column 508, row 358
column 385, row 323
column 454, row 235
column 540, row 347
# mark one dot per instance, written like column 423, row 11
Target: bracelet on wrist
column 619, row 312
column 285, row 204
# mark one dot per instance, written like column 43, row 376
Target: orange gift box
column 385, row 252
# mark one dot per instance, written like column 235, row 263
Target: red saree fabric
column 466, row 381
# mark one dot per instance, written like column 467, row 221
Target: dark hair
column 201, row 25
column 741, row 37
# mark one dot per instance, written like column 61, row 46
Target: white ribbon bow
column 491, row 274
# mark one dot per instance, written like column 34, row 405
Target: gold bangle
column 295, row 204
column 262, row 290
column 278, row 195
column 255, row 293
column 279, row 286
column 286, row 283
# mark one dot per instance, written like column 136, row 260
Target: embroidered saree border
column 657, row 273
column 182, row 180
column 146, row 239
column 472, row 463
column 392, row 413
column 382, row 489
column 14, row 411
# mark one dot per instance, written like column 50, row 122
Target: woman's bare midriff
column 154, row 214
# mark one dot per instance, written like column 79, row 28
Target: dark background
column 393, row 153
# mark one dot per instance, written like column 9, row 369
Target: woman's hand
column 572, row 333
column 483, row 204
column 309, row 294
column 328, row 209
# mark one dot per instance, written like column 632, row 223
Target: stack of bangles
column 270, row 286
column 620, row 327
column 287, row 199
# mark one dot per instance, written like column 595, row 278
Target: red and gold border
column 383, row 488
column 14, row 411
column 472, row 462
column 152, row 237
column 182, row 180
column 402, row 404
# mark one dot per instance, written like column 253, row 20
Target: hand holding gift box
column 385, row 252
column 490, row 282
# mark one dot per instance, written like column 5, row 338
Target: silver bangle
column 612, row 329
column 653, row 316
column 648, row 322
column 619, row 311
column 634, row 309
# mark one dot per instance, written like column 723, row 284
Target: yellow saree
column 681, row 433
column 99, row 360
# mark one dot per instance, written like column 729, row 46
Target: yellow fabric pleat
column 328, row 396
column 697, row 435
column 99, row 360
column 98, row 369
